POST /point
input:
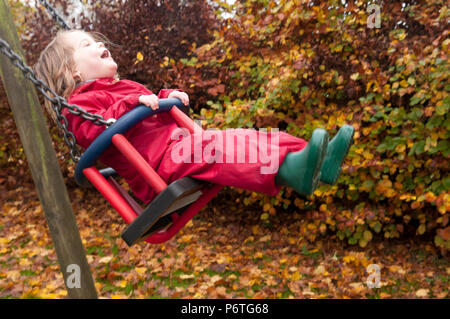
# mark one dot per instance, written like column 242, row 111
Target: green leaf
column 446, row 151
column 414, row 100
column 446, row 183
column 340, row 234
column 419, row 147
column 381, row 148
column 434, row 121
column 367, row 185
column 415, row 114
column 367, row 235
column 377, row 227
column 352, row 241
column 444, row 107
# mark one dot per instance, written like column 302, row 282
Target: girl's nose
column 100, row 44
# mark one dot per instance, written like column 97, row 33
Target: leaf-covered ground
column 225, row 252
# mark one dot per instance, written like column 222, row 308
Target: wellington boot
column 337, row 151
column 301, row 170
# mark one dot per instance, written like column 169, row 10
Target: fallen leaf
column 422, row 292
column 105, row 260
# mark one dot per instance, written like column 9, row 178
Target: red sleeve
column 102, row 104
column 164, row 93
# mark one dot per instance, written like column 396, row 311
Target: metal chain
column 58, row 102
column 55, row 15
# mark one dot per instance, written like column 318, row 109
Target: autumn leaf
column 422, row 293
column 139, row 58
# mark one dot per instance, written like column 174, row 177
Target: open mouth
column 105, row 54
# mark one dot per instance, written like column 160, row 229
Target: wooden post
column 44, row 167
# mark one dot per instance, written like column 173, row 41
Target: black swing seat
column 156, row 216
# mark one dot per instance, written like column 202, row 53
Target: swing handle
column 121, row 126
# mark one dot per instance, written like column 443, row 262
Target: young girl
column 79, row 67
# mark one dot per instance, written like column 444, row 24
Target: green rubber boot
column 337, row 151
column 301, row 170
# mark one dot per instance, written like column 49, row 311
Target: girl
column 77, row 66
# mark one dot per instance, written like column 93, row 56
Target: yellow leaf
column 139, row 56
column 140, row 270
column 354, row 76
column 215, row 278
column 24, row 262
column 319, row 270
column 357, row 287
column 422, row 292
column 430, row 197
column 366, row 132
column 400, row 148
column 421, row 229
column 348, row 259
column 397, row 269
column 404, row 83
column 198, row 295
column 249, row 239
column 185, row 238
column 105, row 260
column 296, row 276
column 189, row 224
column 34, row 282
column 13, row 275
column 258, row 255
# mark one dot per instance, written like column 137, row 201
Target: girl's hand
column 150, row 100
column 180, row 95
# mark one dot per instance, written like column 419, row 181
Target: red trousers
column 243, row 158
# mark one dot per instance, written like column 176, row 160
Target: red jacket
column 113, row 98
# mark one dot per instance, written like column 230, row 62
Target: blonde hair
column 56, row 66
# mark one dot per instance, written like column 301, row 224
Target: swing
column 174, row 205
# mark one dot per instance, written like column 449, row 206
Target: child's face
column 92, row 59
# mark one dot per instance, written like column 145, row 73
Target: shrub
column 302, row 65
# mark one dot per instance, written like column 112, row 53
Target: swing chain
column 55, row 15
column 58, row 102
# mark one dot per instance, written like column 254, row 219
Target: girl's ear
column 77, row 76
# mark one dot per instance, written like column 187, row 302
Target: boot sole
column 316, row 158
column 337, row 167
